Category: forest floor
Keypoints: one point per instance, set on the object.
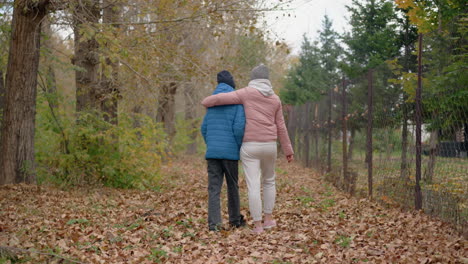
(316, 224)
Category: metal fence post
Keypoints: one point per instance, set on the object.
(329, 129)
(418, 117)
(307, 135)
(345, 139)
(369, 130)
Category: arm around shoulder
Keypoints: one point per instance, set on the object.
(222, 99)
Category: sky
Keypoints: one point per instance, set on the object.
(306, 17)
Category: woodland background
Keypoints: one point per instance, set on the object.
(104, 95)
(119, 83)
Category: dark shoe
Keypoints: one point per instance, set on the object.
(216, 228)
(240, 223)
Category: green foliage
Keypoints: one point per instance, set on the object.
(5, 32)
(92, 151)
(445, 96)
(330, 52)
(306, 81)
(427, 15)
(317, 70)
(184, 134)
(373, 38)
(445, 83)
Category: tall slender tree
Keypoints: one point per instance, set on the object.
(48, 80)
(444, 94)
(86, 15)
(306, 81)
(407, 37)
(109, 85)
(2, 96)
(371, 41)
(330, 51)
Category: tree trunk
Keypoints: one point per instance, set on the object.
(166, 109)
(404, 173)
(2, 96)
(404, 143)
(344, 131)
(351, 144)
(2, 103)
(191, 115)
(86, 55)
(17, 137)
(50, 85)
(307, 135)
(429, 172)
(316, 137)
(418, 119)
(370, 116)
(329, 130)
(465, 133)
(109, 92)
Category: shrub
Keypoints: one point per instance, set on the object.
(90, 150)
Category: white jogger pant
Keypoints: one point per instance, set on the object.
(258, 160)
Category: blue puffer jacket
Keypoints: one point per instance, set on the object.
(223, 128)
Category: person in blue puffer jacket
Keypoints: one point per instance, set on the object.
(223, 131)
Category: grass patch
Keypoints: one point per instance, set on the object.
(158, 255)
(327, 203)
(305, 200)
(343, 241)
(80, 221)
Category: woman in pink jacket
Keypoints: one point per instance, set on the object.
(264, 125)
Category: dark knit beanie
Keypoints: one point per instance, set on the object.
(260, 72)
(226, 77)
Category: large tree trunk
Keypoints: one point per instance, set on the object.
(86, 55)
(109, 92)
(191, 115)
(17, 137)
(166, 109)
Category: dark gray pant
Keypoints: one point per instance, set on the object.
(217, 169)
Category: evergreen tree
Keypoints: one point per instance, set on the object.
(371, 41)
(306, 81)
(330, 51)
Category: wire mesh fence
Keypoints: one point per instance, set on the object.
(362, 135)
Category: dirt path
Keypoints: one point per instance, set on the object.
(317, 224)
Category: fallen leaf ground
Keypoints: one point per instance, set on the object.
(316, 224)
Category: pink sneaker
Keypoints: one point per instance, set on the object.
(269, 224)
(257, 230)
